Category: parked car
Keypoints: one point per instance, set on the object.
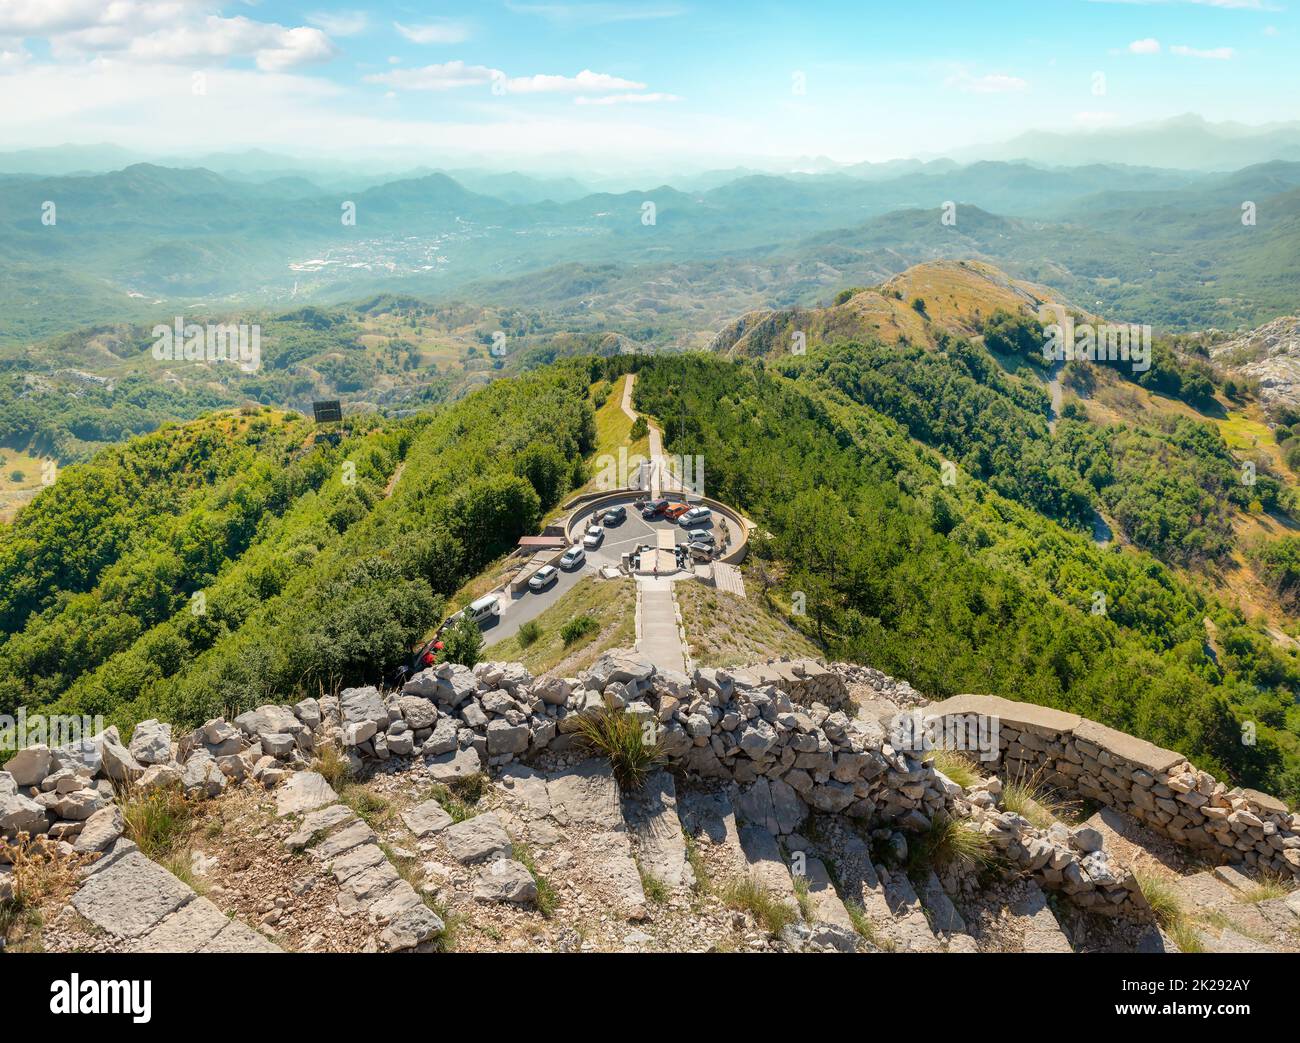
(675, 510)
(696, 516)
(573, 557)
(543, 578)
(653, 509)
(594, 537)
(701, 536)
(700, 551)
(615, 515)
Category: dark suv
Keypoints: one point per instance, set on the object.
(653, 509)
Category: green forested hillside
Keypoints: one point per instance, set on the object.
(962, 589)
(310, 581)
(309, 576)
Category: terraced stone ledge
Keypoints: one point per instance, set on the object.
(1158, 787)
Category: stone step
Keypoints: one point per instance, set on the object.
(766, 864)
(827, 906)
(860, 883)
(1225, 939)
(652, 819)
(907, 927)
(945, 920)
(140, 903)
(708, 818)
(369, 884)
(1042, 931)
(586, 804)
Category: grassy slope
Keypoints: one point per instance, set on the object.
(611, 602)
(725, 630)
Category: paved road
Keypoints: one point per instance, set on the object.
(519, 609)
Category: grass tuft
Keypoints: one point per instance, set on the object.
(803, 896)
(956, 766)
(865, 927)
(950, 841)
(655, 889)
(1031, 799)
(1168, 909)
(333, 765)
(1265, 888)
(546, 897)
(160, 822)
(623, 740)
(749, 896)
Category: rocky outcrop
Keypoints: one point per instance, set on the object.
(1270, 355)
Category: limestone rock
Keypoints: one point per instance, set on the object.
(505, 880)
(477, 839)
(19, 814)
(304, 791)
(151, 742)
(426, 819)
(30, 766)
(101, 830)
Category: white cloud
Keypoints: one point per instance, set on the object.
(628, 99)
(445, 77)
(434, 32)
(454, 75)
(272, 46)
(990, 83)
(584, 81)
(11, 59)
(340, 23)
(1218, 54)
(1149, 45)
(50, 18)
(162, 31)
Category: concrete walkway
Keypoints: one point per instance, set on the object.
(658, 637)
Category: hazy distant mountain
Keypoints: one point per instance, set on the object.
(157, 238)
(67, 159)
(1187, 142)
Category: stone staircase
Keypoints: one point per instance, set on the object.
(1229, 921)
(143, 908)
(349, 849)
(892, 913)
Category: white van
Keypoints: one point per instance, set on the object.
(483, 608)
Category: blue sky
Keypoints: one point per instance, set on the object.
(624, 83)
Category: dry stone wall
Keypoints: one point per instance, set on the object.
(1158, 787)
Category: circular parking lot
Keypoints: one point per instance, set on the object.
(616, 540)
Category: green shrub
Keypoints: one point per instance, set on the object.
(578, 627)
(463, 642)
